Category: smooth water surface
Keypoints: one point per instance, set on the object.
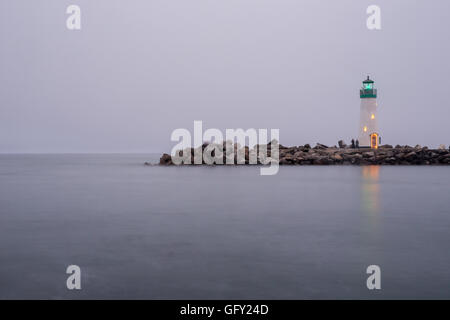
(220, 232)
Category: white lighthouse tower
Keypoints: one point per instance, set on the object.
(368, 136)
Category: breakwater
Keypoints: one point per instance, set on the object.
(324, 155)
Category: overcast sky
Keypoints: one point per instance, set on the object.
(138, 69)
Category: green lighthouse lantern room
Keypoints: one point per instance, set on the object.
(367, 91)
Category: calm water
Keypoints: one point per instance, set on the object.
(223, 232)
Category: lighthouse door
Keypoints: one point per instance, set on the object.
(374, 141)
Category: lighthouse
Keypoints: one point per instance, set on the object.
(368, 136)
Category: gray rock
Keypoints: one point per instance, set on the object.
(165, 160)
(320, 146)
(410, 155)
(341, 144)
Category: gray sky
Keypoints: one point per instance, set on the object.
(139, 69)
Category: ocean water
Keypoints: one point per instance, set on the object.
(220, 232)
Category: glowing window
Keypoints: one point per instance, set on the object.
(372, 116)
(365, 129)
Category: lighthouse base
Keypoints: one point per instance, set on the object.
(370, 141)
(368, 124)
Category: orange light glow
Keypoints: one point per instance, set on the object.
(365, 129)
(370, 197)
(371, 173)
(372, 116)
(374, 141)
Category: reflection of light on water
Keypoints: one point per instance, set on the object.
(371, 228)
(370, 200)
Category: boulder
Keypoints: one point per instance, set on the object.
(410, 155)
(341, 144)
(298, 154)
(320, 146)
(320, 160)
(165, 160)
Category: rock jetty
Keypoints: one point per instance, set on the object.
(342, 155)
